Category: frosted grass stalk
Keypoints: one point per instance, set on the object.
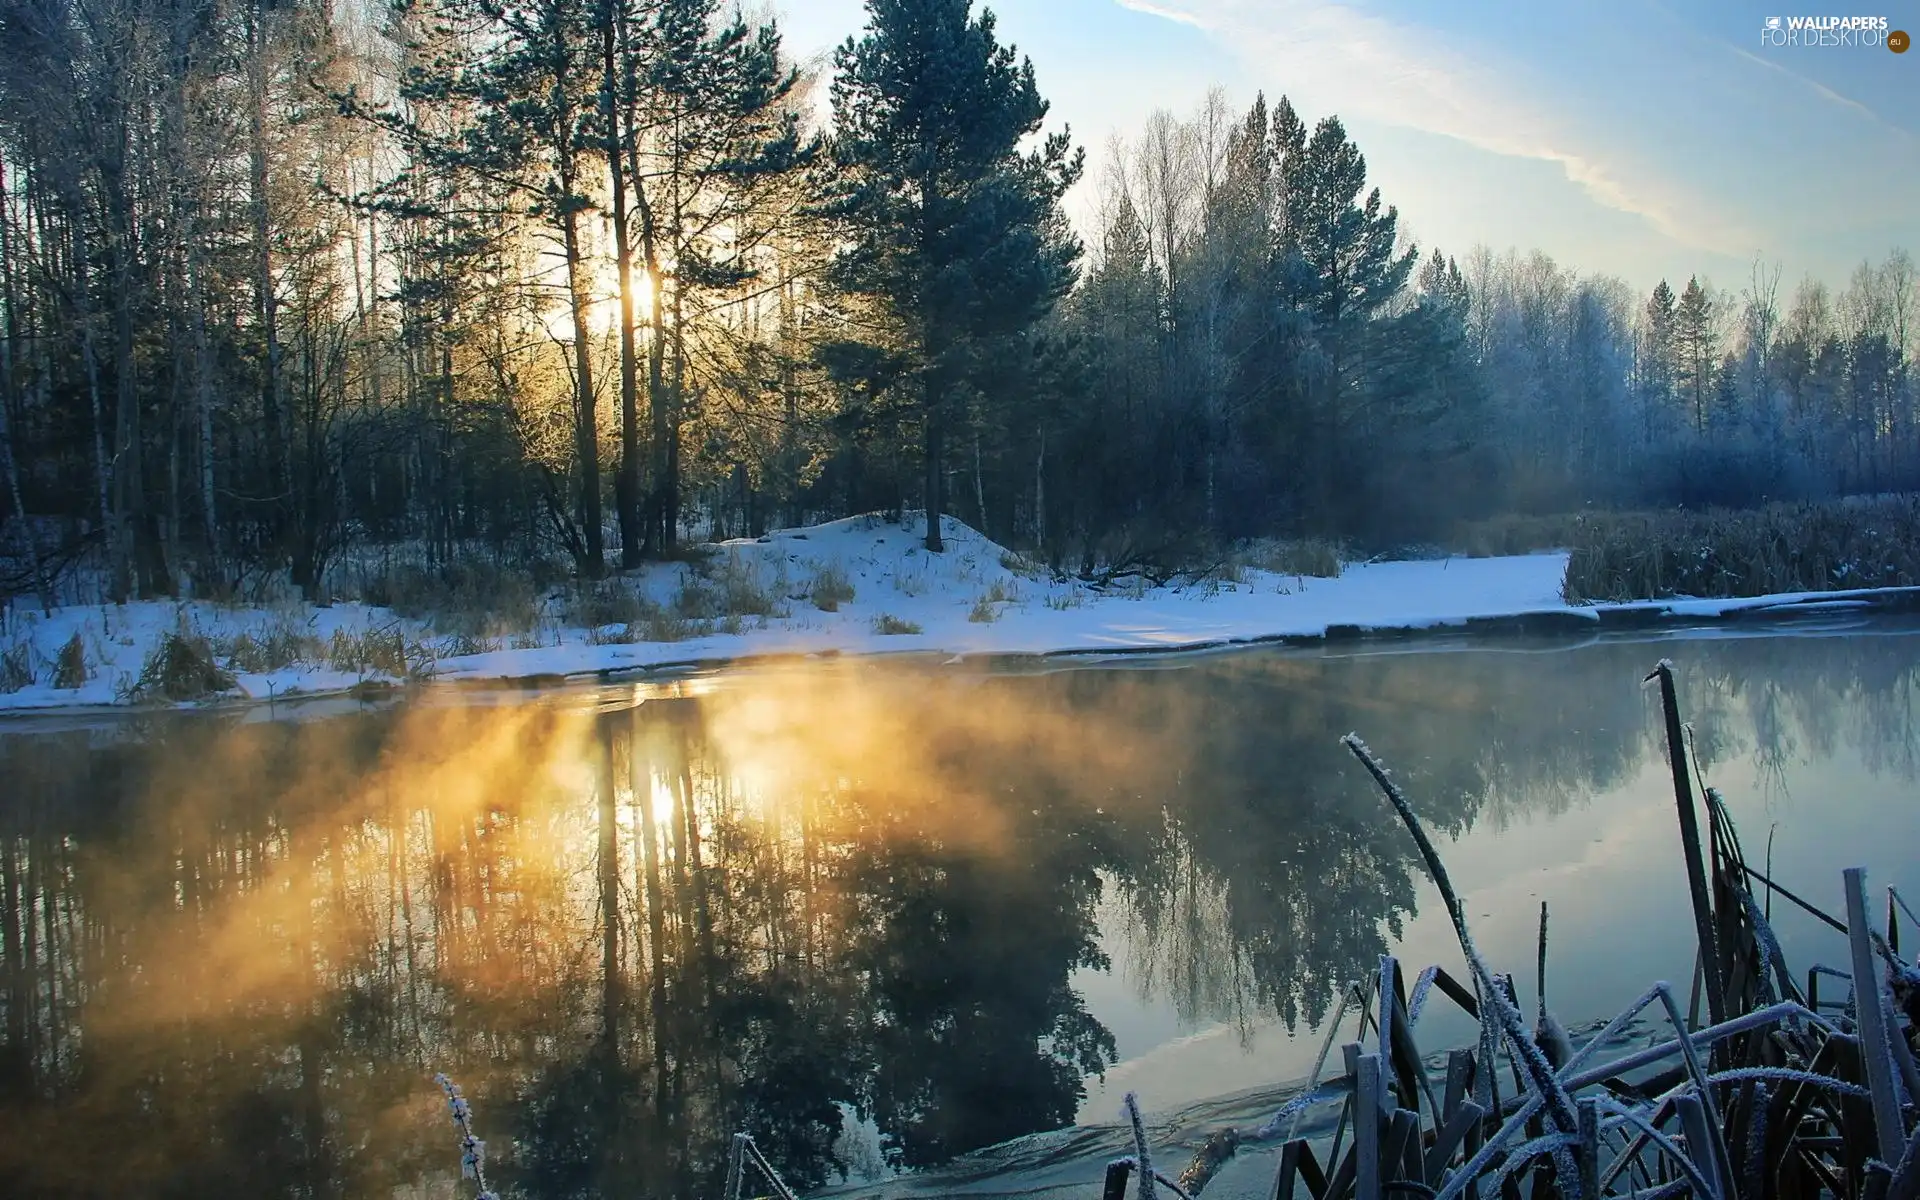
(472, 1149)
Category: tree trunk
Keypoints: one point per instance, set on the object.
(203, 399)
(979, 487)
(266, 302)
(587, 429)
(933, 475)
(103, 467)
(10, 403)
(129, 495)
(658, 538)
(627, 482)
(677, 396)
(1040, 492)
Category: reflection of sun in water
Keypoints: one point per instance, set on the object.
(663, 801)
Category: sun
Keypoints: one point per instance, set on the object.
(603, 301)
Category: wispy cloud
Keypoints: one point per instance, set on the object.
(1826, 93)
(1163, 12)
(1335, 57)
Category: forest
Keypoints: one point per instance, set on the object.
(571, 283)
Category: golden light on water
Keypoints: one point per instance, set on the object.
(739, 880)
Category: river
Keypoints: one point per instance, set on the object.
(855, 904)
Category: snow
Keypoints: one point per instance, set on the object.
(892, 576)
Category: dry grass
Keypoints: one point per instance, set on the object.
(1316, 557)
(1497, 537)
(70, 667)
(1783, 548)
(830, 588)
(180, 668)
(1021, 565)
(477, 598)
(730, 587)
(1073, 597)
(984, 611)
(593, 604)
(16, 666)
(384, 651)
(887, 623)
(270, 649)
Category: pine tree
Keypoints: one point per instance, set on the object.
(1696, 350)
(1118, 314)
(955, 234)
(1340, 269)
(1657, 357)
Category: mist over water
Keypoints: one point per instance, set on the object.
(235, 951)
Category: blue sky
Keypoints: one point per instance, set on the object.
(1631, 137)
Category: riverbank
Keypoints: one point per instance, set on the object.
(859, 586)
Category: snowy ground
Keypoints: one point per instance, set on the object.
(973, 599)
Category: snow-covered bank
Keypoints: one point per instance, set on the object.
(974, 599)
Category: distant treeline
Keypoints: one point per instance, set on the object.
(577, 279)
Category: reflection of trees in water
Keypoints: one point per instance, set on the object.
(234, 956)
(233, 953)
(1273, 879)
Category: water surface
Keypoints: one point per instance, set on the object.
(632, 921)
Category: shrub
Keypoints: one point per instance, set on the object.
(476, 597)
(983, 611)
(1019, 564)
(663, 626)
(16, 666)
(830, 588)
(745, 595)
(887, 623)
(1317, 557)
(1074, 597)
(181, 668)
(592, 604)
(734, 589)
(697, 599)
(1497, 537)
(281, 646)
(912, 584)
(70, 668)
(460, 645)
(385, 651)
(1718, 553)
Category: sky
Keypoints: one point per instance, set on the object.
(1634, 138)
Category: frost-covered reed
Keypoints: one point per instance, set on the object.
(472, 1150)
(1778, 1096)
